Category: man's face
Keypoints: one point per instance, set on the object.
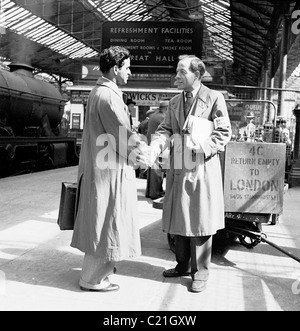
(124, 73)
(185, 78)
(131, 109)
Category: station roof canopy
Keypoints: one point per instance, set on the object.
(56, 36)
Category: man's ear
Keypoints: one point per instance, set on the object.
(116, 69)
(198, 74)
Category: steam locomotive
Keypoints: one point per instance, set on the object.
(31, 112)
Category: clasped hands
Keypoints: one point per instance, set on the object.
(146, 156)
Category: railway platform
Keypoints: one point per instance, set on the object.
(39, 271)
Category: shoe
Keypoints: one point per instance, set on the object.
(158, 197)
(104, 286)
(172, 273)
(198, 286)
(109, 288)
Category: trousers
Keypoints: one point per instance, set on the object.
(95, 270)
(193, 255)
(154, 189)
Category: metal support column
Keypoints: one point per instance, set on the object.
(271, 112)
(283, 65)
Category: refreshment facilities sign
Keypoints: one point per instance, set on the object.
(154, 46)
(254, 178)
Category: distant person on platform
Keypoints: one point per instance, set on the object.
(143, 130)
(193, 209)
(132, 113)
(143, 127)
(154, 189)
(286, 135)
(250, 128)
(106, 225)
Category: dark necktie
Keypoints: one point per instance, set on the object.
(188, 103)
(125, 98)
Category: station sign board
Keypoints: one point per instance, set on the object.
(239, 110)
(91, 72)
(154, 46)
(79, 97)
(254, 178)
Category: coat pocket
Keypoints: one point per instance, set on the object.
(129, 174)
(198, 172)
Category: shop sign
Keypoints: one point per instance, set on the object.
(79, 97)
(151, 99)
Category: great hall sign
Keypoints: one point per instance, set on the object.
(154, 46)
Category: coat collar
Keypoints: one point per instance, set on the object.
(203, 93)
(178, 102)
(102, 81)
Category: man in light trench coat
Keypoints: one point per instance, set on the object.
(106, 226)
(194, 201)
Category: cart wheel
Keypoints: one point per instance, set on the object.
(171, 241)
(274, 219)
(248, 242)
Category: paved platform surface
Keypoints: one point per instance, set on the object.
(39, 271)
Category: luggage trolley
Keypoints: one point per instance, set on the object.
(254, 187)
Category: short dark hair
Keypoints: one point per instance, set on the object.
(113, 56)
(196, 64)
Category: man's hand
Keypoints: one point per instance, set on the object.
(195, 148)
(152, 157)
(146, 157)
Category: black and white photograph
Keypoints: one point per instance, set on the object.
(149, 158)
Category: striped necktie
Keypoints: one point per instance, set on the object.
(188, 103)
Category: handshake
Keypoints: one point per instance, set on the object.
(146, 156)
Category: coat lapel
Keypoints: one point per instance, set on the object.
(178, 109)
(200, 106)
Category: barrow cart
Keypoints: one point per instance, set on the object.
(254, 187)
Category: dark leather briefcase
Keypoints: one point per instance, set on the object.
(66, 216)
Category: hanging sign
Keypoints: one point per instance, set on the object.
(154, 46)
